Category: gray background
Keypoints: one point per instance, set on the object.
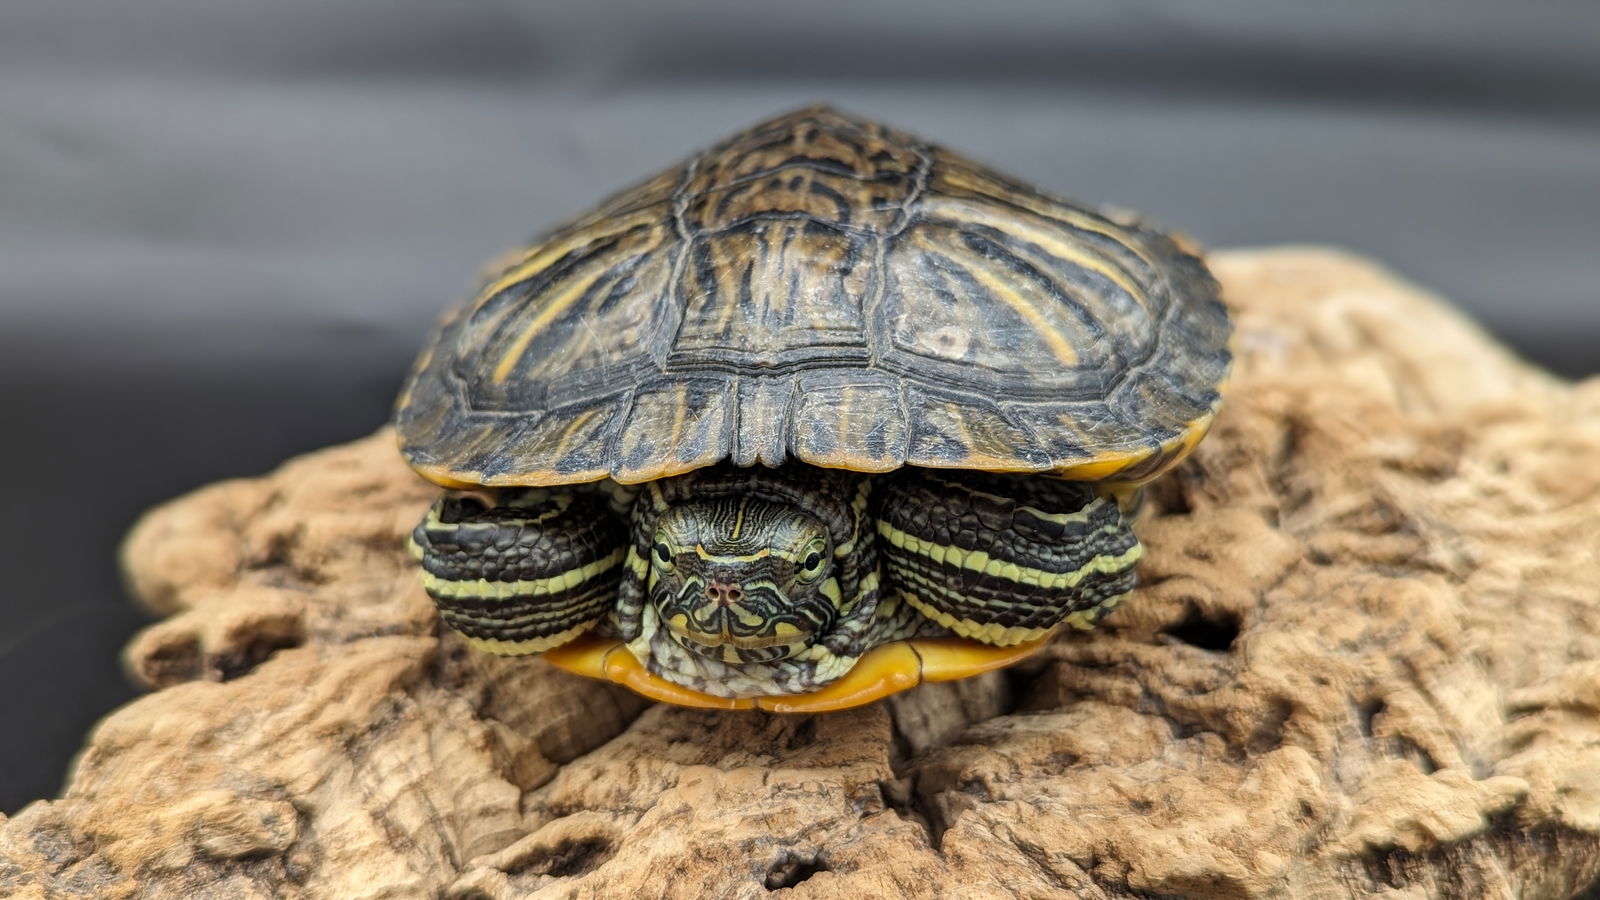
(225, 227)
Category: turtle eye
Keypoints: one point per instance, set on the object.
(663, 555)
(815, 562)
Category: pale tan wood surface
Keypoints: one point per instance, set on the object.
(1365, 660)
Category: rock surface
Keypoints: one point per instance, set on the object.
(1365, 660)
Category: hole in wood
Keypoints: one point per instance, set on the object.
(1215, 631)
(791, 870)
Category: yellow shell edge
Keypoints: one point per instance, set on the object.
(884, 670)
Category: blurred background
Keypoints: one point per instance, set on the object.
(226, 227)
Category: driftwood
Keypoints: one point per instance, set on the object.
(1365, 659)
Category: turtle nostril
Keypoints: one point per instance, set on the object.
(723, 593)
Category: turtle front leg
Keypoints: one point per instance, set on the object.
(1003, 558)
(520, 570)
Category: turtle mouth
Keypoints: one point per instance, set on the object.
(735, 649)
(752, 621)
(716, 640)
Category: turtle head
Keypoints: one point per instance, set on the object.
(740, 579)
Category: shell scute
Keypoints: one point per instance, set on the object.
(826, 290)
(857, 423)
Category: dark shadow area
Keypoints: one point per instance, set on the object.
(87, 451)
(570, 858)
(1215, 632)
(791, 870)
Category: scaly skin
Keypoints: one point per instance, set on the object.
(741, 582)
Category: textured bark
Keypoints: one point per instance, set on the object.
(1365, 659)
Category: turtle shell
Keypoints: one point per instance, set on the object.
(824, 289)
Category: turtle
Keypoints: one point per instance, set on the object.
(819, 414)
